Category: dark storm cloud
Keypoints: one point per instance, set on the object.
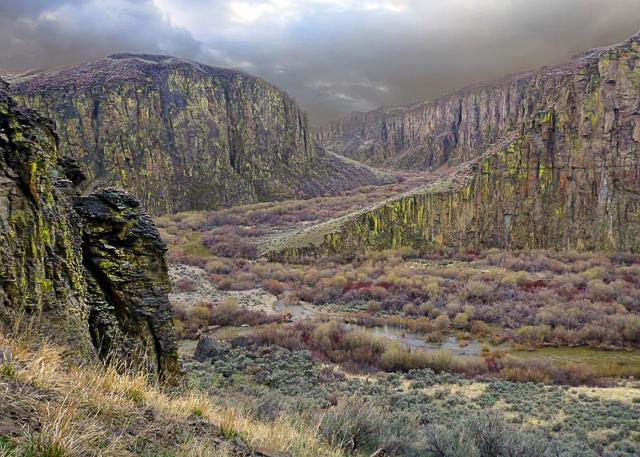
(44, 34)
(334, 56)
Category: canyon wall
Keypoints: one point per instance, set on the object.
(594, 98)
(185, 136)
(547, 160)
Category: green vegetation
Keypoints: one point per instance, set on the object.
(271, 381)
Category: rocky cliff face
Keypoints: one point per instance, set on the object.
(184, 136)
(88, 272)
(548, 160)
(593, 98)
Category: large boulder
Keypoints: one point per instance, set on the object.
(210, 348)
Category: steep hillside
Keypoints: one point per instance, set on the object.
(185, 136)
(87, 272)
(550, 160)
(594, 98)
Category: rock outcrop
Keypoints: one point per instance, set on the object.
(185, 136)
(547, 160)
(128, 279)
(87, 272)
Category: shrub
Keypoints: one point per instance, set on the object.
(217, 266)
(373, 307)
(410, 309)
(479, 328)
(274, 286)
(631, 331)
(201, 312)
(461, 321)
(225, 311)
(179, 328)
(525, 374)
(352, 425)
(432, 288)
(185, 285)
(515, 278)
(534, 335)
(397, 358)
(442, 323)
(277, 335)
(600, 291)
(226, 242)
(485, 435)
(547, 372)
(478, 290)
(398, 435)
(240, 280)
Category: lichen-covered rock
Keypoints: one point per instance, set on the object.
(72, 170)
(514, 196)
(41, 271)
(185, 136)
(594, 100)
(90, 277)
(128, 292)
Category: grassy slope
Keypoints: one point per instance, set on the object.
(51, 407)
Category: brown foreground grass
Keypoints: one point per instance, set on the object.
(51, 407)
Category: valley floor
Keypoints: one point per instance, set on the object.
(542, 346)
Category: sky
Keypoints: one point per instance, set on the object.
(332, 56)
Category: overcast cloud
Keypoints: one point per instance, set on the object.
(333, 56)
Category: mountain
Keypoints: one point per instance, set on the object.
(544, 160)
(88, 271)
(185, 136)
(587, 95)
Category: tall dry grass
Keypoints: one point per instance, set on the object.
(63, 409)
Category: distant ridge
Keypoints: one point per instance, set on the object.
(185, 136)
(456, 126)
(547, 159)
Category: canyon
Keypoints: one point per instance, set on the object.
(185, 136)
(547, 159)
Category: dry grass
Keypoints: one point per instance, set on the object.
(66, 431)
(626, 394)
(61, 410)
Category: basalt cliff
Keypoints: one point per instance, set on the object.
(185, 136)
(548, 159)
(592, 97)
(85, 271)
